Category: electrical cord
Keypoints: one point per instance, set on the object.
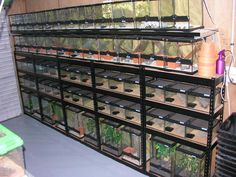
(208, 12)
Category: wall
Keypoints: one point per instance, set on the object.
(221, 13)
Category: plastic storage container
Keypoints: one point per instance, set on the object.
(189, 162)
(176, 124)
(197, 130)
(75, 121)
(199, 99)
(131, 142)
(103, 16)
(104, 103)
(111, 137)
(156, 118)
(155, 90)
(132, 85)
(105, 80)
(90, 135)
(55, 86)
(162, 156)
(11, 154)
(44, 86)
(177, 94)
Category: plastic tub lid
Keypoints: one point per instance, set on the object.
(8, 140)
(163, 141)
(203, 92)
(228, 128)
(124, 104)
(108, 74)
(181, 87)
(108, 99)
(160, 83)
(73, 109)
(132, 130)
(136, 108)
(111, 123)
(191, 151)
(159, 113)
(123, 77)
(179, 119)
(201, 124)
(73, 90)
(134, 79)
(54, 85)
(85, 93)
(89, 115)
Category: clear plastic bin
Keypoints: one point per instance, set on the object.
(133, 113)
(162, 156)
(131, 142)
(177, 94)
(199, 99)
(11, 154)
(90, 135)
(156, 118)
(197, 130)
(189, 162)
(155, 90)
(103, 16)
(75, 121)
(44, 86)
(56, 90)
(111, 137)
(104, 103)
(176, 124)
(132, 85)
(105, 80)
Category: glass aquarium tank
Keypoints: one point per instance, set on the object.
(89, 17)
(90, 135)
(106, 48)
(128, 51)
(181, 15)
(56, 90)
(111, 137)
(11, 154)
(103, 18)
(68, 92)
(189, 162)
(197, 130)
(162, 156)
(75, 121)
(182, 56)
(123, 15)
(27, 103)
(131, 142)
(176, 124)
(105, 80)
(177, 94)
(77, 48)
(46, 107)
(35, 103)
(29, 81)
(147, 14)
(118, 109)
(155, 89)
(90, 48)
(83, 98)
(152, 52)
(133, 113)
(44, 86)
(104, 103)
(73, 18)
(155, 118)
(200, 99)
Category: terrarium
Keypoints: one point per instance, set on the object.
(50, 19)
(111, 137)
(189, 162)
(177, 94)
(181, 15)
(11, 154)
(176, 124)
(156, 118)
(90, 48)
(83, 98)
(27, 103)
(104, 103)
(40, 67)
(68, 93)
(77, 47)
(123, 15)
(55, 89)
(39, 16)
(90, 135)
(73, 18)
(131, 142)
(89, 16)
(46, 107)
(128, 51)
(182, 56)
(35, 103)
(62, 17)
(106, 48)
(162, 156)
(29, 81)
(105, 80)
(200, 99)
(132, 85)
(44, 86)
(155, 89)
(75, 122)
(133, 113)
(103, 18)
(152, 52)
(64, 46)
(147, 14)
(57, 117)
(197, 130)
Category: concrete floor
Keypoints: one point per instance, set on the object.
(51, 154)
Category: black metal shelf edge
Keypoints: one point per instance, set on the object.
(26, 72)
(82, 108)
(82, 86)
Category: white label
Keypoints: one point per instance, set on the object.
(106, 102)
(120, 79)
(137, 110)
(182, 91)
(206, 95)
(205, 129)
(160, 86)
(181, 123)
(121, 106)
(161, 117)
(137, 82)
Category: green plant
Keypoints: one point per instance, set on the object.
(90, 125)
(190, 164)
(111, 134)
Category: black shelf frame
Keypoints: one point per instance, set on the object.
(143, 72)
